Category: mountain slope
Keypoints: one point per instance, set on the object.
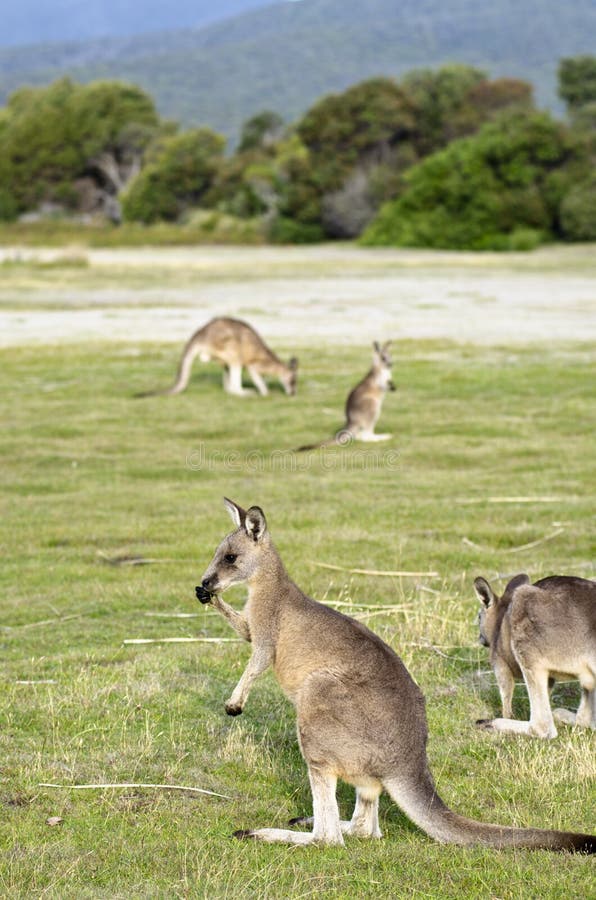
(37, 21)
(285, 56)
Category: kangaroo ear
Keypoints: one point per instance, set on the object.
(293, 364)
(376, 347)
(237, 514)
(386, 346)
(516, 582)
(484, 592)
(255, 523)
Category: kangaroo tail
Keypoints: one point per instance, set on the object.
(183, 375)
(316, 446)
(141, 394)
(424, 807)
(343, 437)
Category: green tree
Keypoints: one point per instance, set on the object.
(55, 135)
(455, 100)
(261, 131)
(247, 183)
(480, 191)
(361, 142)
(8, 201)
(179, 171)
(350, 149)
(578, 211)
(577, 81)
(439, 98)
(342, 129)
(39, 149)
(489, 98)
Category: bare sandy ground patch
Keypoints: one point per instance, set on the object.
(325, 294)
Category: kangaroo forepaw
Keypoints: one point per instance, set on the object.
(203, 595)
(232, 709)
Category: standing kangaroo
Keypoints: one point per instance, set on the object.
(363, 406)
(360, 715)
(235, 344)
(540, 632)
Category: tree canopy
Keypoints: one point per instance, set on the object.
(577, 81)
(483, 191)
(179, 171)
(53, 138)
(443, 158)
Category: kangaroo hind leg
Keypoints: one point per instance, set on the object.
(325, 819)
(372, 436)
(542, 723)
(233, 380)
(365, 818)
(585, 717)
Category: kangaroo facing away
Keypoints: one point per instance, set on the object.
(540, 632)
(235, 344)
(360, 715)
(363, 406)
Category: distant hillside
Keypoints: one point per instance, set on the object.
(285, 56)
(38, 21)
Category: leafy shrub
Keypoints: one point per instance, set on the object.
(244, 185)
(578, 212)
(289, 231)
(8, 205)
(52, 136)
(223, 228)
(478, 188)
(577, 80)
(525, 238)
(179, 172)
(520, 239)
(261, 130)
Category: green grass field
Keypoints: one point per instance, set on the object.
(493, 449)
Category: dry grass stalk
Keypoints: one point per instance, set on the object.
(182, 640)
(379, 572)
(165, 787)
(126, 560)
(381, 607)
(547, 537)
(166, 615)
(42, 622)
(510, 499)
(542, 540)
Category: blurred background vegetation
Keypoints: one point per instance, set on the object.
(444, 157)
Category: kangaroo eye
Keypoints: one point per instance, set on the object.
(230, 558)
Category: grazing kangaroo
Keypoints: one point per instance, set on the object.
(363, 406)
(235, 344)
(360, 715)
(541, 632)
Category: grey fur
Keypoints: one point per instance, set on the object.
(360, 715)
(540, 632)
(235, 344)
(363, 406)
